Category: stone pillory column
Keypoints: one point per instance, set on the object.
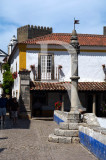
(24, 99)
(74, 115)
(68, 130)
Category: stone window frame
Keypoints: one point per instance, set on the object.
(39, 65)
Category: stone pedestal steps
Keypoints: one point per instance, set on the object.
(66, 133)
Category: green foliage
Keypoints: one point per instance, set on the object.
(6, 67)
(7, 79)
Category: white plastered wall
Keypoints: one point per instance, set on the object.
(16, 87)
(60, 58)
(90, 66)
(31, 59)
(89, 63)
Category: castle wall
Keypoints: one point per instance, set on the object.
(29, 32)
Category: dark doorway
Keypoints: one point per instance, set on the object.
(98, 105)
(39, 100)
(90, 103)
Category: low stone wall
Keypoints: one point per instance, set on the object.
(94, 139)
(102, 121)
(91, 134)
(60, 116)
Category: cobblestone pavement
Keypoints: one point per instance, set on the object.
(29, 141)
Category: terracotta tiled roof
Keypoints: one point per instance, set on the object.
(84, 39)
(92, 86)
(82, 86)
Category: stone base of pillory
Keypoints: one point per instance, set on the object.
(69, 122)
(67, 131)
(65, 134)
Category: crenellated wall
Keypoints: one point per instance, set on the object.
(104, 30)
(29, 32)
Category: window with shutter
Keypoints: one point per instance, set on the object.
(46, 67)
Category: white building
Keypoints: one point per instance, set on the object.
(2, 56)
(49, 60)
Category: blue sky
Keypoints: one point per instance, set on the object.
(58, 14)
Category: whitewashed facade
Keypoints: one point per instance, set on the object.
(89, 63)
(14, 67)
(46, 59)
(2, 56)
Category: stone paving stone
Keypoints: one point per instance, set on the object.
(29, 141)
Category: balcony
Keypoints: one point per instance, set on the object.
(54, 75)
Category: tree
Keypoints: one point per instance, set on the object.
(7, 79)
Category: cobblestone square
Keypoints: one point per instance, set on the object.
(28, 140)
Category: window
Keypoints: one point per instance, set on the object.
(46, 67)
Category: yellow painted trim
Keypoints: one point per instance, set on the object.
(43, 49)
(56, 49)
(22, 56)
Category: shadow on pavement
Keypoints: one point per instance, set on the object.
(2, 149)
(3, 138)
(21, 124)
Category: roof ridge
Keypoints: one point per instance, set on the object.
(80, 34)
(84, 39)
(36, 38)
(92, 35)
(3, 51)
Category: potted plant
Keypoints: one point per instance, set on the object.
(58, 105)
(32, 67)
(14, 75)
(60, 66)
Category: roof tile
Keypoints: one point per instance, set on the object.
(84, 39)
(82, 86)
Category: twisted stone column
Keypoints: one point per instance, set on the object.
(74, 115)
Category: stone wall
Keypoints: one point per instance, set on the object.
(91, 135)
(60, 116)
(29, 32)
(24, 99)
(94, 139)
(104, 30)
(102, 121)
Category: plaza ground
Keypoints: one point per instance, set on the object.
(28, 140)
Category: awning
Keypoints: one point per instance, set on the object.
(63, 86)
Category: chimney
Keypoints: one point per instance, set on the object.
(104, 30)
(12, 44)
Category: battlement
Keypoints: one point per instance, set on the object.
(30, 31)
(104, 30)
